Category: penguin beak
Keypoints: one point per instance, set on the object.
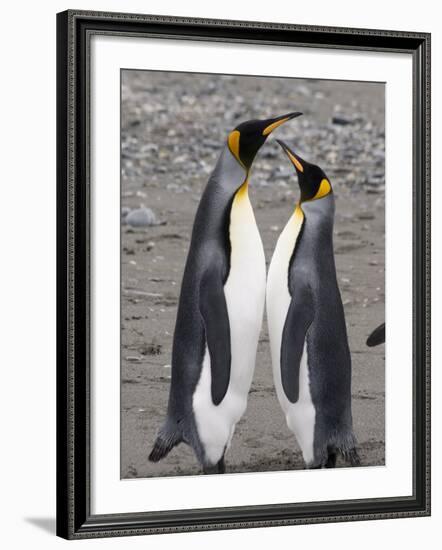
(297, 162)
(274, 123)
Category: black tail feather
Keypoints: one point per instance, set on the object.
(352, 456)
(166, 440)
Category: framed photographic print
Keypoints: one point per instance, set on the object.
(243, 274)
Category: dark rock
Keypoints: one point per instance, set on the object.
(341, 120)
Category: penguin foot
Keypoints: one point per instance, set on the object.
(218, 468)
(209, 470)
(330, 463)
(331, 460)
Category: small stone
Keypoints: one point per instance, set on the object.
(341, 121)
(178, 188)
(141, 217)
(284, 173)
(133, 358)
(303, 90)
(366, 216)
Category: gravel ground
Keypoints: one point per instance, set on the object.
(173, 127)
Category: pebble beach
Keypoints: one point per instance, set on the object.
(173, 127)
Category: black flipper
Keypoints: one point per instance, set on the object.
(377, 336)
(215, 316)
(299, 318)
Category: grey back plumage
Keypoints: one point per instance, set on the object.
(313, 268)
(207, 266)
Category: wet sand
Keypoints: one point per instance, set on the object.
(173, 127)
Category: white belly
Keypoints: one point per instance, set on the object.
(245, 296)
(300, 416)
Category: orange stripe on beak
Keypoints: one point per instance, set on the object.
(295, 161)
(274, 125)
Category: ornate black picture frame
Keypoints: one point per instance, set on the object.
(74, 31)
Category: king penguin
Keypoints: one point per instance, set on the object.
(308, 336)
(220, 309)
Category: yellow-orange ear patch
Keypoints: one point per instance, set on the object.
(295, 161)
(324, 189)
(233, 143)
(274, 125)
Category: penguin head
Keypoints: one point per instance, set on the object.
(313, 182)
(246, 139)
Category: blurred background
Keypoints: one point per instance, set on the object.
(173, 127)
